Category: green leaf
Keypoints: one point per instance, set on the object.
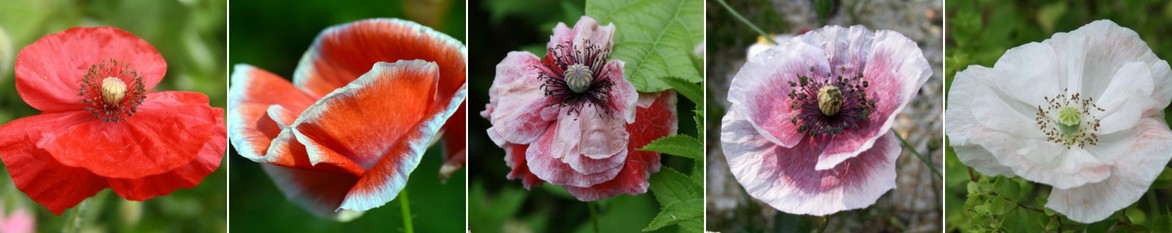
(823, 7)
(1136, 215)
(698, 116)
(680, 145)
(690, 212)
(669, 185)
(691, 90)
(653, 37)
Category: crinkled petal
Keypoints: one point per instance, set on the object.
(656, 119)
(786, 179)
(843, 46)
(455, 136)
(1108, 47)
(342, 53)
(253, 93)
(761, 87)
(35, 172)
(896, 69)
(1126, 98)
(518, 101)
(186, 176)
(49, 71)
(168, 131)
(587, 32)
(544, 163)
(601, 135)
(1144, 157)
(515, 159)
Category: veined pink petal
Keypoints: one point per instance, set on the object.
(518, 101)
(786, 178)
(515, 159)
(761, 87)
(656, 119)
(587, 32)
(544, 162)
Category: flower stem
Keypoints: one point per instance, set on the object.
(406, 208)
(593, 215)
(74, 222)
(746, 21)
(917, 153)
(825, 222)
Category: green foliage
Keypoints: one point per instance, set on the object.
(682, 200)
(681, 145)
(654, 38)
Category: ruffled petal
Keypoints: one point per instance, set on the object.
(587, 32)
(320, 192)
(847, 47)
(545, 163)
(186, 176)
(33, 170)
(600, 135)
(254, 91)
(168, 131)
(455, 136)
(760, 88)
(341, 54)
(896, 69)
(656, 119)
(785, 178)
(1107, 47)
(515, 159)
(395, 97)
(1141, 160)
(49, 71)
(340, 123)
(518, 101)
(1126, 98)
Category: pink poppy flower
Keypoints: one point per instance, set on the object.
(19, 221)
(367, 100)
(571, 119)
(808, 130)
(100, 126)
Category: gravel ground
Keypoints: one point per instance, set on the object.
(915, 205)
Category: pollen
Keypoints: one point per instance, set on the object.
(1068, 120)
(112, 90)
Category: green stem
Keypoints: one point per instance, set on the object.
(74, 222)
(593, 215)
(825, 222)
(925, 161)
(746, 21)
(406, 208)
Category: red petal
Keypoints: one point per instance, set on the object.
(253, 92)
(361, 122)
(186, 176)
(320, 192)
(515, 158)
(342, 53)
(168, 131)
(455, 142)
(49, 71)
(55, 186)
(655, 121)
(286, 151)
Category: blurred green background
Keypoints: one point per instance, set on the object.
(190, 34)
(497, 204)
(979, 33)
(272, 35)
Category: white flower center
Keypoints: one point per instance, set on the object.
(113, 89)
(1074, 125)
(578, 78)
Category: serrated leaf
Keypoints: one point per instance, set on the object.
(690, 212)
(679, 145)
(688, 89)
(669, 185)
(698, 116)
(653, 37)
(698, 172)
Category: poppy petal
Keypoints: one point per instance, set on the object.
(341, 54)
(518, 104)
(552, 167)
(765, 80)
(455, 142)
(168, 131)
(34, 172)
(49, 71)
(253, 92)
(320, 192)
(186, 176)
(286, 151)
(656, 118)
(384, 181)
(393, 96)
(515, 159)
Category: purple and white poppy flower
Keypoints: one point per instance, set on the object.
(809, 127)
(1081, 112)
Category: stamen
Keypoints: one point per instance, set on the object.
(1069, 127)
(111, 90)
(829, 104)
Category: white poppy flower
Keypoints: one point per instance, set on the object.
(1081, 112)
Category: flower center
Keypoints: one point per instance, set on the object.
(575, 76)
(830, 104)
(111, 90)
(1069, 127)
(578, 78)
(829, 100)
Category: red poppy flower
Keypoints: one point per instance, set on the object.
(367, 100)
(100, 126)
